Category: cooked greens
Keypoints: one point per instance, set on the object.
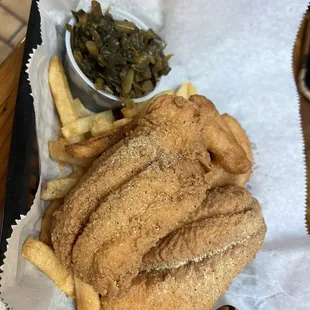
(116, 55)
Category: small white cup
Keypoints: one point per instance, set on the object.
(82, 87)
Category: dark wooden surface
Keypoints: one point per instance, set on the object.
(9, 77)
(304, 107)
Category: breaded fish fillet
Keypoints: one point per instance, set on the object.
(191, 267)
(171, 126)
(229, 214)
(133, 218)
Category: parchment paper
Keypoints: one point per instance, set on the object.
(239, 54)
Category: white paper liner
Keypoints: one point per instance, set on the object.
(239, 55)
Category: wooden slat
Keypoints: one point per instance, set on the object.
(304, 104)
(9, 77)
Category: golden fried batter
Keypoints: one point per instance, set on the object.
(191, 267)
(228, 215)
(132, 219)
(179, 150)
(218, 175)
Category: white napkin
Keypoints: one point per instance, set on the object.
(239, 54)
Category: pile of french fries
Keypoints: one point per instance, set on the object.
(84, 137)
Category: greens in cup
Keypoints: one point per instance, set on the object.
(117, 56)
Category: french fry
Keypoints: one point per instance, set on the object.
(84, 125)
(61, 92)
(62, 95)
(60, 188)
(86, 297)
(121, 122)
(96, 146)
(82, 112)
(57, 152)
(192, 90)
(186, 90)
(89, 148)
(46, 224)
(183, 91)
(101, 123)
(75, 139)
(78, 127)
(43, 257)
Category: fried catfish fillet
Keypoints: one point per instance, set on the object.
(189, 131)
(133, 218)
(193, 265)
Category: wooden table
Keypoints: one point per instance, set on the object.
(9, 77)
(304, 106)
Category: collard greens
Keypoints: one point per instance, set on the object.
(117, 56)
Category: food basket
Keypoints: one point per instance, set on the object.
(23, 167)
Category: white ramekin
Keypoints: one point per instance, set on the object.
(82, 87)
